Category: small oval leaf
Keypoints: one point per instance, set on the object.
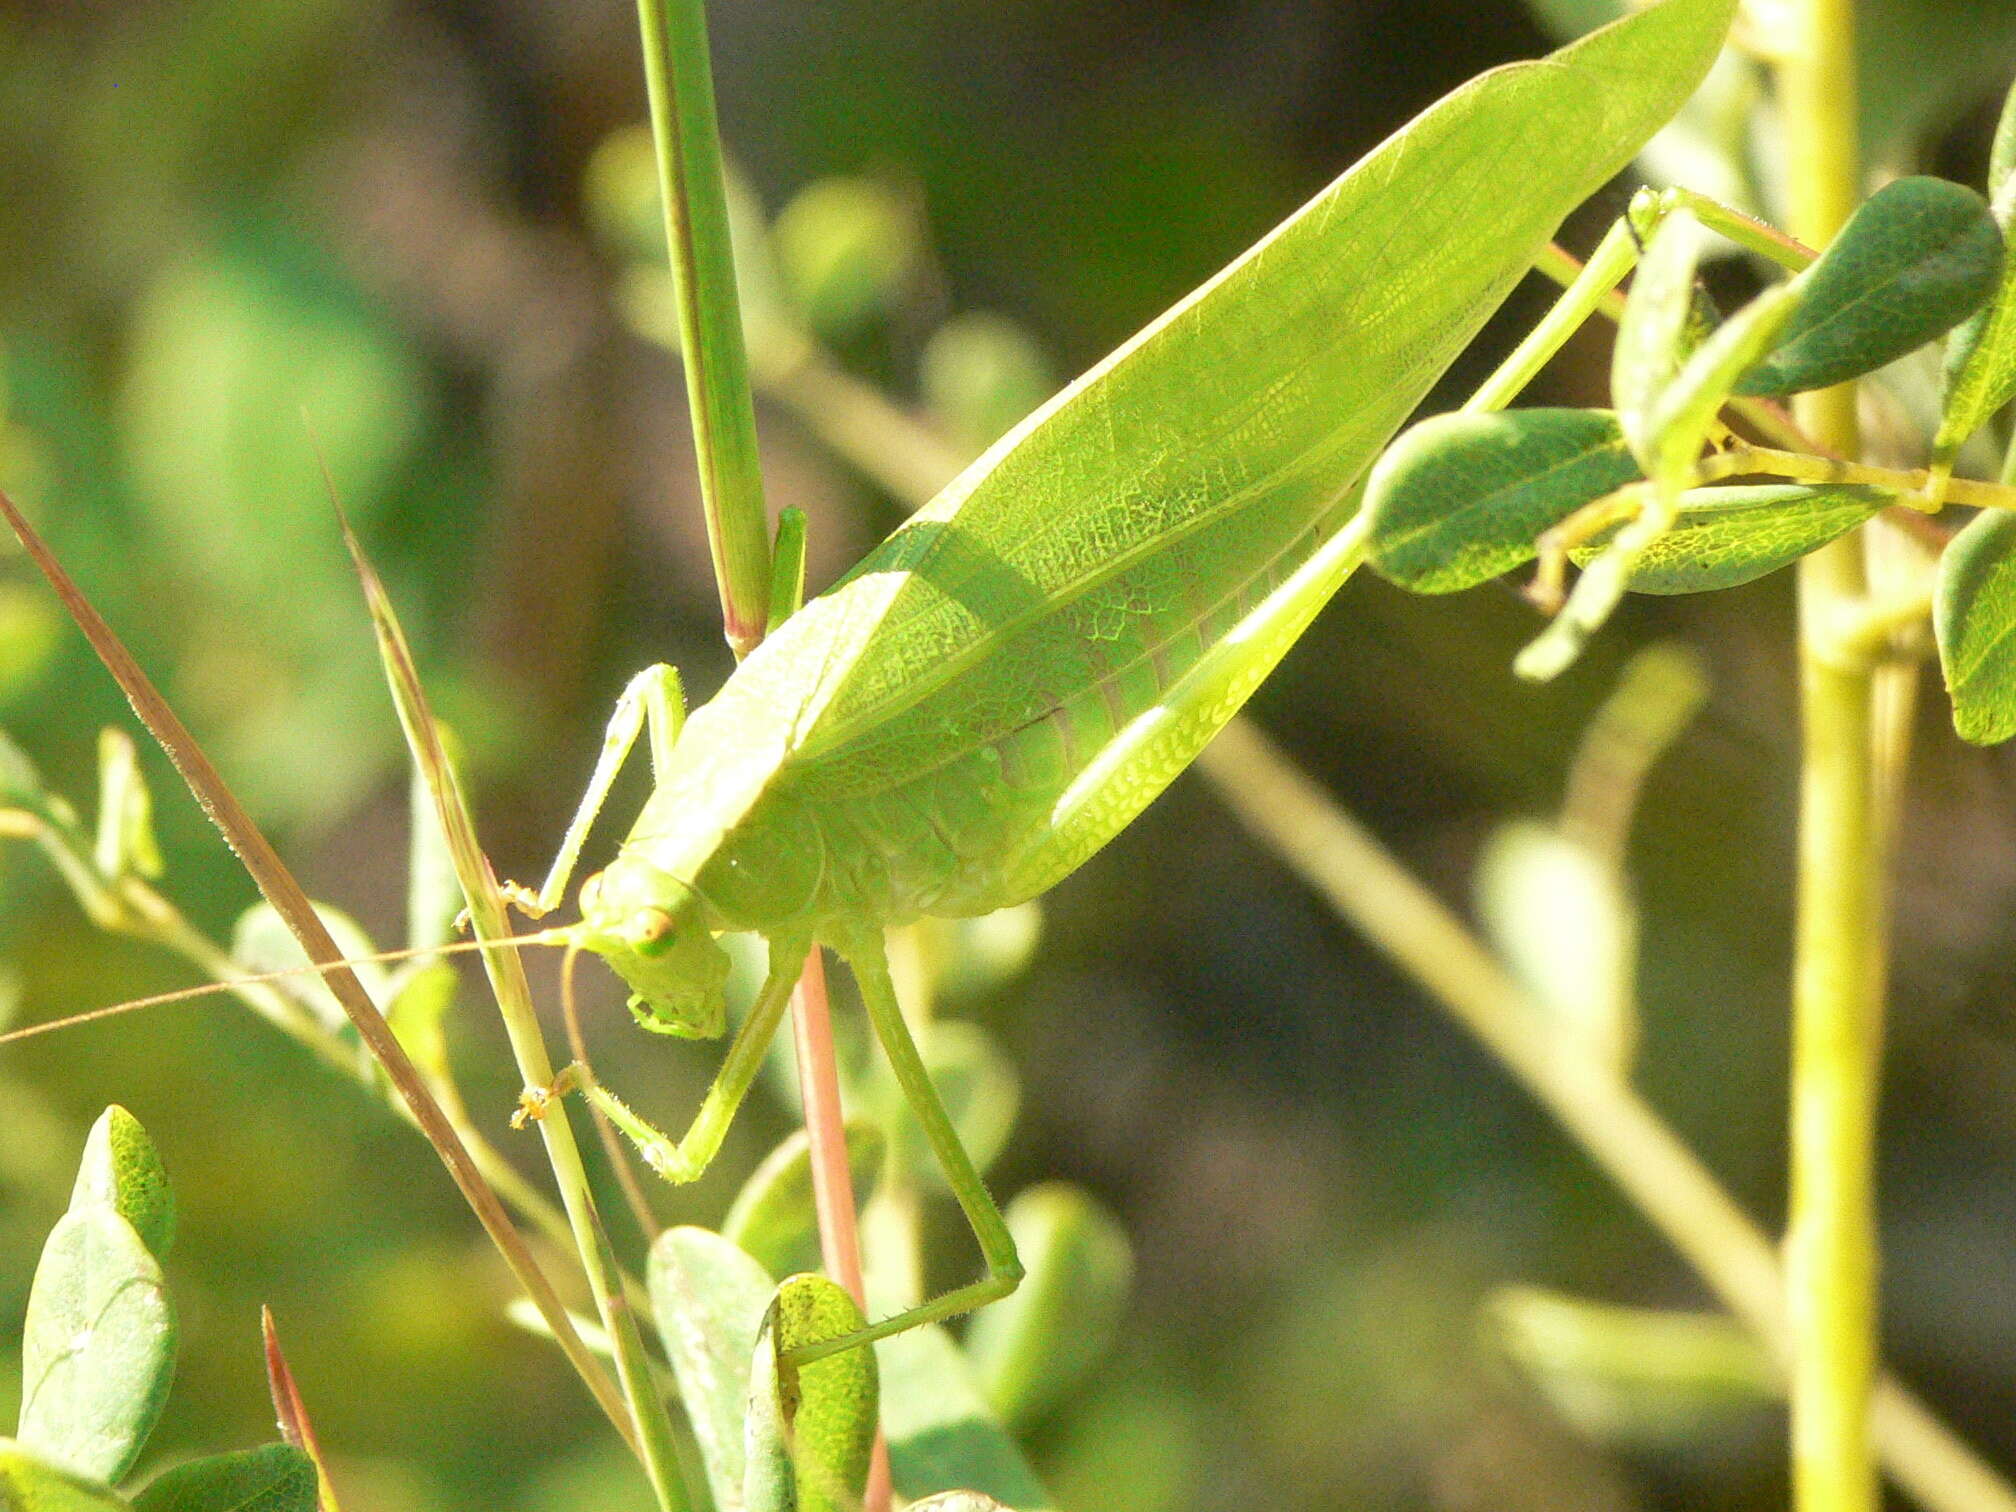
(1974, 615)
(276, 1478)
(122, 1170)
(1981, 357)
(28, 1484)
(98, 1346)
(709, 1299)
(1460, 498)
(810, 1429)
(1919, 257)
(772, 1219)
(1724, 537)
(1033, 1348)
(1653, 333)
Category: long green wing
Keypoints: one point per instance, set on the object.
(1076, 571)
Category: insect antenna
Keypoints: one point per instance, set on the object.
(554, 937)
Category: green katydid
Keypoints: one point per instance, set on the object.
(1003, 684)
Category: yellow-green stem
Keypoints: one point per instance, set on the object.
(1837, 988)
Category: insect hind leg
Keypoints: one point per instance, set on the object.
(870, 965)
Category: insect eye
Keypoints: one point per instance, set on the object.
(651, 931)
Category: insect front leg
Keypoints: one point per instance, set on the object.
(655, 699)
(869, 962)
(687, 1158)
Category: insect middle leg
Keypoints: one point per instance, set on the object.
(687, 1158)
(869, 962)
(653, 699)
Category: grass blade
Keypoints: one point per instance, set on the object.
(277, 885)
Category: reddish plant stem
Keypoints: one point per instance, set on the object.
(832, 1181)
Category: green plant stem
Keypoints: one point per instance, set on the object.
(1838, 965)
(1618, 1129)
(1798, 467)
(688, 138)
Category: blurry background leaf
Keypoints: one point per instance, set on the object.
(773, 1219)
(942, 1435)
(1032, 1350)
(848, 249)
(709, 1300)
(980, 374)
(33, 1485)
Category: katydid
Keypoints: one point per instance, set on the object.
(1002, 685)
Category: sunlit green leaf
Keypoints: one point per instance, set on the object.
(709, 1300)
(810, 1429)
(1919, 257)
(29, 1484)
(773, 1219)
(1981, 356)
(1723, 537)
(1653, 334)
(122, 1170)
(942, 1434)
(1033, 1348)
(1974, 615)
(1630, 1375)
(1461, 498)
(276, 1478)
(98, 1347)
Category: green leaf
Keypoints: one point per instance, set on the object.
(979, 1088)
(1632, 1376)
(275, 1478)
(122, 1170)
(28, 1484)
(810, 1430)
(980, 374)
(1981, 357)
(98, 1347)
(1653, 333)
(1724, 537)
(1974, 616)
(1461, 498)
(848, 249)
(1919, 257)
(942, 1434)
(772, 1218)
(126, 843)
(1033, 1349)
(1677, 422)
(262, 942)
(709, 1300)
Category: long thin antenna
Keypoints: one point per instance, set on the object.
(554, 937)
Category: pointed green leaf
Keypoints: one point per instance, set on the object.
(1653, 333)
(1563, 919)
(942, 1434)
(1461, 498)
(1677, 423)
(30, 1484)
(772, 1218)
(276, 1478)
(709, 1300)
(1033, 1348)
(1981, 357)
(1974, 615)
(122, 1170)
(1918, 258)
(98, 1347)
(810, 1430)
(1724, 537)
(1632, 1375)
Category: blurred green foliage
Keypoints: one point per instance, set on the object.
(220, 214)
